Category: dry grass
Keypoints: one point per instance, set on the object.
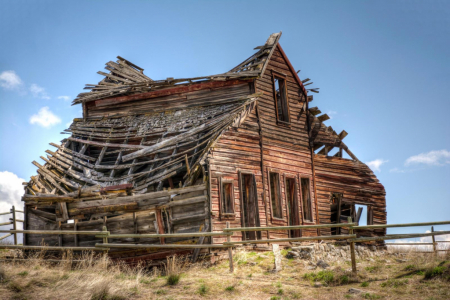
(97, 278)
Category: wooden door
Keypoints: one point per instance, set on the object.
(250, 214)
(292, 201)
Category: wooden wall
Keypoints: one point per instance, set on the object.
(285, 149)
(237, 150)
(355, 181)
(176, 99)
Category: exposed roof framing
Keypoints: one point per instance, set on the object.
(324, 136)
(125, 78)
(142, 150)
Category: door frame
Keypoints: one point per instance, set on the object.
(241, 199)
(296, 202)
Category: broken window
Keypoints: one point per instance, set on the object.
(227, 207)
(281, 101)
(275, 195)
(363, 214)
(306, 199)
(335, 212)
(293, 208)
(249, 210)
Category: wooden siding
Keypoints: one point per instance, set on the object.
(238, 150)
(355, 181)
(286, 149)
(206, 96)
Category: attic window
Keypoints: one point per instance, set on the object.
(281, 100)
(227, 199)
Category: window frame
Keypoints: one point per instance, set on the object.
(312, 221)
(274, 218)
(223, 215)
(283, 77)
(241, 173)
(297, 195)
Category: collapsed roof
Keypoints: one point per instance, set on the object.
(126, 78)
(145, 149)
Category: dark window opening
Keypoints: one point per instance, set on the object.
(335, 212)
(227, 198)
(275, 195)
(306, 198)
(281, 100)
(250, 211)
(292, 202)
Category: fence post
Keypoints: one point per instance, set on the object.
(352, 248)
(434, 241)
(230, 250)
(105, 241)
(13, 211)
(105, 237)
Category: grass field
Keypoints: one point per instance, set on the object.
(415, 276)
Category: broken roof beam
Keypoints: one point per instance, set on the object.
(73, 152)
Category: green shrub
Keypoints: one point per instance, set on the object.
(24, 273)
(275, 298)
(394, 283)
(203, 289)
(373, 269)
(173, 279)
(434, 272)
(325, 276)
(160, 292)
(365, 284)
(280, 292)
(344, 279)
(229, 288)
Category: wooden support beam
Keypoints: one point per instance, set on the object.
(352, 250)
(13, 211)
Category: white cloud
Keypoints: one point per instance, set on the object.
(432, 158)
(38, 91)
(376, 164)
(10, 80)
(45, 118)
(11, 192)
(65, 98)
(331, 114)
(396, 170)
(424, 239)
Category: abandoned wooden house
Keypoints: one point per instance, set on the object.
(190, 154)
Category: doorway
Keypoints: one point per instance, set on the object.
(250, 213)
(292, 202)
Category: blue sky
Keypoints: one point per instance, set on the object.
(382, 68)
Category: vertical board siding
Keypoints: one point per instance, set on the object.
(237, 150)
(286, 149)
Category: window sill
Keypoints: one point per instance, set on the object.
(309, 223)
(278, 221)
(227, 217)
(285, 124)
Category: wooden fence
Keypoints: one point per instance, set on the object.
(228, 232)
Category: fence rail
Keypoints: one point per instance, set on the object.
(227, 232)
